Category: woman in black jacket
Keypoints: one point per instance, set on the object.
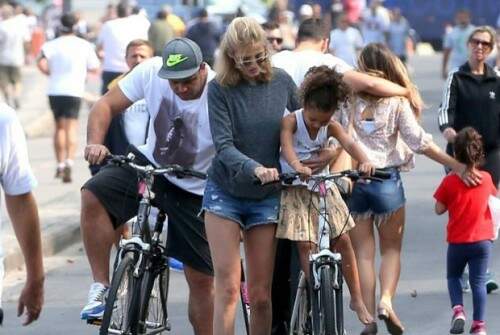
(471, 98)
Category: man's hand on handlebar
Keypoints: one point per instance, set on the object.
(266, 175)
(95, 153)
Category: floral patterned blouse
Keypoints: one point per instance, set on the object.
(391, 135)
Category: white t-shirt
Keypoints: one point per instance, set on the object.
(13, 34)
(344, 43)
(135, 122)
(179, 131)
(16, 176)
(114, 37)
(373, 27)
(297, 63)
(456, 40)
(69, 58)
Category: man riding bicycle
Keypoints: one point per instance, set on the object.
(174, 88)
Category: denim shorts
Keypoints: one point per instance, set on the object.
(378, 197)
(248, 213)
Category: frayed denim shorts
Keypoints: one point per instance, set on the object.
(248, 213)
(378, 197)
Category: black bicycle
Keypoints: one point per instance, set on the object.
(137, 299)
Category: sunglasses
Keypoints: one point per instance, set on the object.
(477, 42)
(258, 59)
(278, 40)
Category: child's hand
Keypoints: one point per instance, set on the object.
(304, 171)
(366, 168)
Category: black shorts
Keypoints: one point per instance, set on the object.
(116, 189)
(10, 74)
(65, 106)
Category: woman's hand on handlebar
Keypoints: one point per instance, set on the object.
(266, 175)
(366, 168)
(95, 153)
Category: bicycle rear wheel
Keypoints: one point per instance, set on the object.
(153, 302)
(120, 298)
(329, 299)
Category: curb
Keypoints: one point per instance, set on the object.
(53, 241)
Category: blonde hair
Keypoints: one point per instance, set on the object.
(241, 33)
(378, 60)
(484, 29)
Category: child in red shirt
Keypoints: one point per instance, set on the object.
(469, 231)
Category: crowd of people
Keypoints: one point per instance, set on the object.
(325, 87)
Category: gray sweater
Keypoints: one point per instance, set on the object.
(245, 123)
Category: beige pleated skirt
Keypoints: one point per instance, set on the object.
(298, 219)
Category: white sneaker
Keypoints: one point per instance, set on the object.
(94, 309)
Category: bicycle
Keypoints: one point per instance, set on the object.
(137, 299)
(318, 307)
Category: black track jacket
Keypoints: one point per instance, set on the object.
(472, 101)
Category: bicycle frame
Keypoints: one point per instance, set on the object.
(323, 256)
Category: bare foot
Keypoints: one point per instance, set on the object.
(363, 315)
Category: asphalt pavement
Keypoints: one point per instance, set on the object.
(422, 300)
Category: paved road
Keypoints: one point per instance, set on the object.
(423, 259)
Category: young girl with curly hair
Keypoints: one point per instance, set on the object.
(303, 134)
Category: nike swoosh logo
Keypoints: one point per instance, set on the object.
(176, 59)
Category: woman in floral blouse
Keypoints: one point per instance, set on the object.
(388, 131)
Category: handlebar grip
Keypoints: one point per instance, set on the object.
(196, 174)
(381, 174)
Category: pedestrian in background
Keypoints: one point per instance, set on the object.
(66, 60)
(469, 231)
(112, 42)
(398, 34)
(455, 43)
(160, 32)
(206, 34)
(17, 181)
(346, 42)
(274, 36)
(471, 87)
(130, 127)
(14, 39)
(374, 23)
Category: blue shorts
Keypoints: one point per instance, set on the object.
(378, 197)
(248, 213)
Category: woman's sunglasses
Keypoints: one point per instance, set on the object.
(477, 42)
(258, 59)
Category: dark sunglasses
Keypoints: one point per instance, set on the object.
(278, 40)
(476, 42)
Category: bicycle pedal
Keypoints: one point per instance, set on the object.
(94, 322)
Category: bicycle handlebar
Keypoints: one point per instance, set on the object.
(149, 169)
(289, 178)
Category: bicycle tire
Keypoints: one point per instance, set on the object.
(327, 302)
(153, 315)
(121, 290)
(299, 324)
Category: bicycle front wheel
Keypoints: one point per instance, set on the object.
(116, 314)
(330, 297)
(153, 302)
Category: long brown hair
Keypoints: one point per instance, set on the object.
(243, 32)
(376, 59)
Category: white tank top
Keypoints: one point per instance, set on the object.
(305, 147)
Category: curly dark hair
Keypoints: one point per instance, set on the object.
(323, 89)
(468, 147)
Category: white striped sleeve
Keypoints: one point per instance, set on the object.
(443, 116)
